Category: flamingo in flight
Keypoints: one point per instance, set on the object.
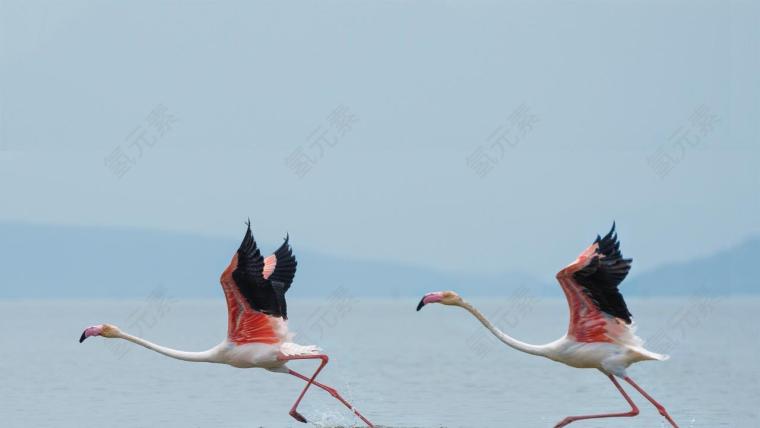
(601, 334)
(257, 330)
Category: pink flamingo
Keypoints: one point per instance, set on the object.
(601, 334)
(257, 331)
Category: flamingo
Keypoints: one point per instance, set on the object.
(257, 330)
(601, 334)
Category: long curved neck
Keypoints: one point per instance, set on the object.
(198, 357)
(509, 340)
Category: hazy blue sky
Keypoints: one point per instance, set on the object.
(604, 88)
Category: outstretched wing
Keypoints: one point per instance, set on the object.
(263, 282)
(283, 265)
(255, 300)
(250, 263)
(603, 274)
(598, 312)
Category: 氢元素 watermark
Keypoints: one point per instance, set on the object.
(144, 137)
(510, 134)
(700, 124)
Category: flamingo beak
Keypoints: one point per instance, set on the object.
(90, 331)
(430, 298)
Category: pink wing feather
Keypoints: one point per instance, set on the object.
(270, 263)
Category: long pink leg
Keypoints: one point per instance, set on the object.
(634, 410)
(660, 407)
(293, 412)
(335, 394)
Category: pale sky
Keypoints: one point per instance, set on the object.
(603, 86)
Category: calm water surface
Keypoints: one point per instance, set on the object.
(435, 368)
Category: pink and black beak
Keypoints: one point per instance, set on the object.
(91, 331)
(434, 297)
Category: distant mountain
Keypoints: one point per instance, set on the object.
(38, 261)
(74, 262)
(731, 271)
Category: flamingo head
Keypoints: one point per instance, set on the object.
(443, 297)
(105, 330)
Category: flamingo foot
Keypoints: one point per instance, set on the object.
(564, 422)
(297, 416)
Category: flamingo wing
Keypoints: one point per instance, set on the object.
(282, 265)
(263, 282)
(254, 288)
(250, 263)
(279, 270)
(598, 312)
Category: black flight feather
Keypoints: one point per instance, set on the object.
(604, 273)
(264, 295)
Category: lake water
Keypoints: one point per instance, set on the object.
(435, 368)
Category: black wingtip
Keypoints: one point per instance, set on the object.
(82, 337)
(610, 234)
(247, 241)
(421, 304)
